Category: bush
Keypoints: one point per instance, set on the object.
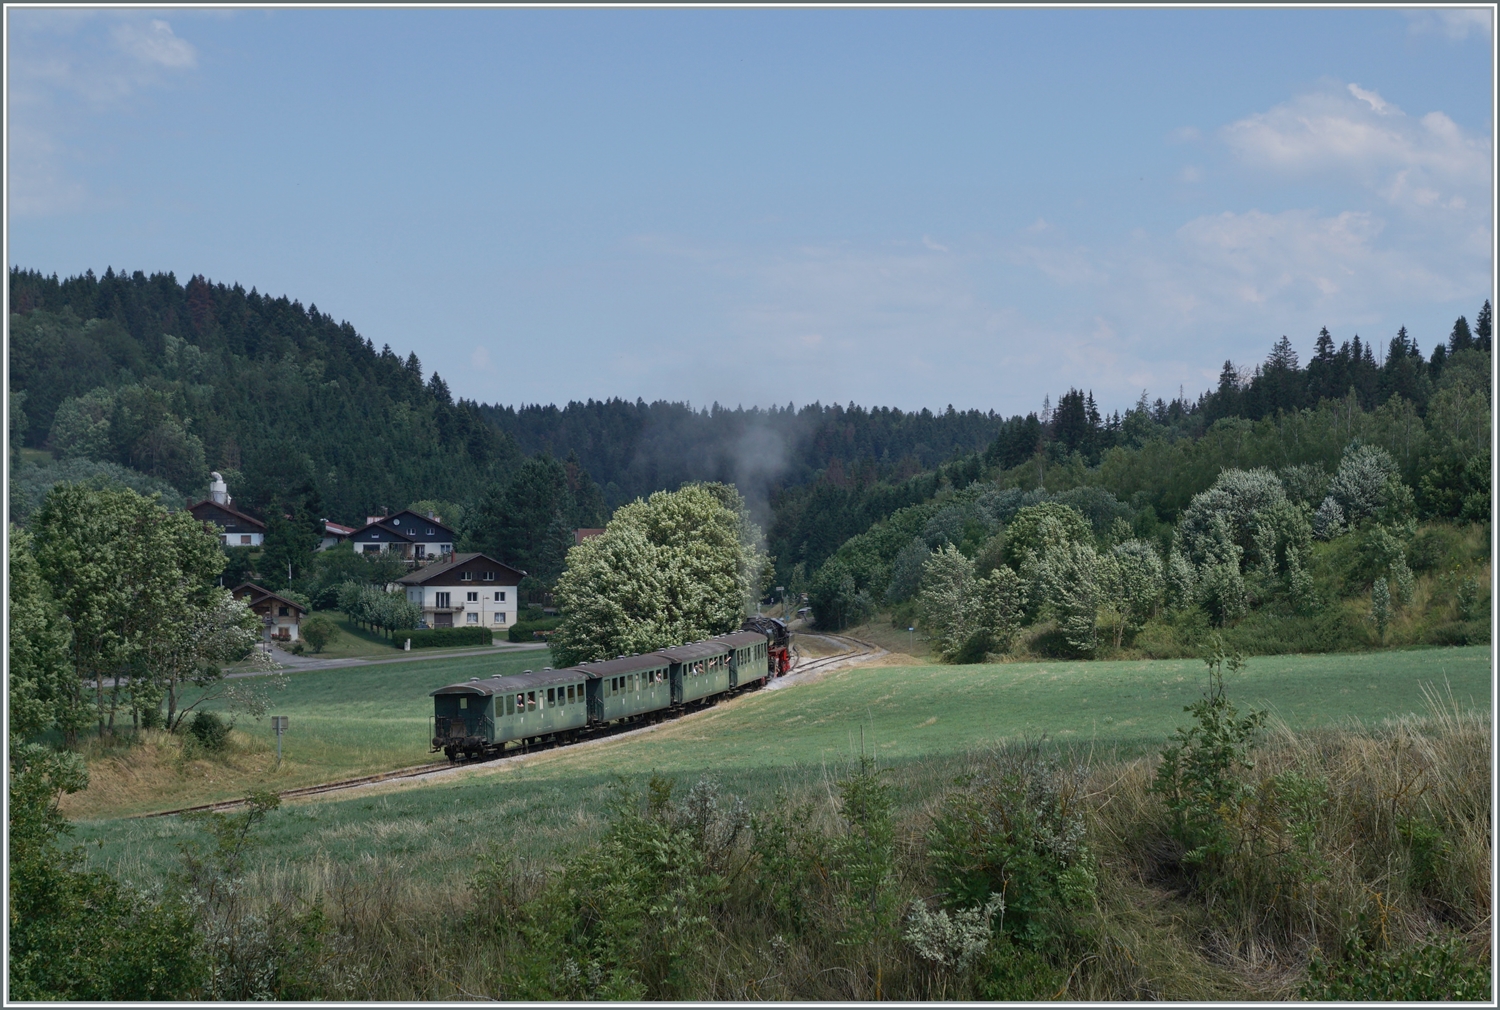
(1017, 830)
(1432, 972)
(318, 630)
(210, 730)
(435, 638)
(525, 631)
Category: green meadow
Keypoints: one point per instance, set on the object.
(918, 721)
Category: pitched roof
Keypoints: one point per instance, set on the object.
(422, 575)
(337, 528)
(515, 682)
(227, 508)
(265, 594)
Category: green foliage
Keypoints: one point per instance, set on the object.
(629, 918)
(527, 522)
(127, 575)
(373, 606)
(1440, 970)
(77, 934)
(675, 568)
(41, 694)
(1201, 775)
(210, 730)
(30, 483)
(340, 564)
(317, 630)
(965, 615)
(1038, 527)
(525, 631)
(864, 856)
(1016, 831)
(442, 638)
(277, 392)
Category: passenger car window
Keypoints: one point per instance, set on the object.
(551, 696)
(530, 701)
(463, 703)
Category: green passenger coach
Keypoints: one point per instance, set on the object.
(628, 687)
(483, 715)
(748, 657)
(699, 670)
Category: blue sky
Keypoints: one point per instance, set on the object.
(901, 207)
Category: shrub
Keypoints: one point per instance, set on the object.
(318, 630)
(525, 631)
(210, 730)
(1016, 830)
(436, 638)
(1431, 972)
(1201, 774)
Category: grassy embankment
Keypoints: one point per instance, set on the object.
(922, 721)
(344, 722)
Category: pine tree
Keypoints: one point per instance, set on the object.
(1482, 328)
(1460, 339)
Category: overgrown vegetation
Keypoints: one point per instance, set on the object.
(1246, 861)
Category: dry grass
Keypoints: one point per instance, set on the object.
(136, 773)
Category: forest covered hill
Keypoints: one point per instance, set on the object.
(146, 381)
(174, 380)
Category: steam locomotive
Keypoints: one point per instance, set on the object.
(480, 717)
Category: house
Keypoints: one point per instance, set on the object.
(235, 528)
(416, 538)
(579, 536)
(334, 534)
(466, 590)
(280, 616)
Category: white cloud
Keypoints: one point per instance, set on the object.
(480, 359)
(1419, 164)
(66, 69)
(1371, 99)
(154, 44)
(1191, 173)
(1455, 24)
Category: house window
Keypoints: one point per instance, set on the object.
(472, 597)
(442, 600)
(499, 597)
(466, 577)
(430, 531)
(395, 522)
(473, 617)
(489, 576)
(244, 538)
(500, 617)
(281, 612)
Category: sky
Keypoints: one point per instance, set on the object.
(910, 208)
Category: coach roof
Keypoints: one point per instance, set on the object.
(516, 682)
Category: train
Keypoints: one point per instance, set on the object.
(481, 717)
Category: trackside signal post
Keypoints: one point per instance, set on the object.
(278, 723)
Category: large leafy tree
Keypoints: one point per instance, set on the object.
(123, 570)
(42, 695)
(671, 569)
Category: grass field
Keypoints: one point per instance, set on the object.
(917, 719)
(343, 723)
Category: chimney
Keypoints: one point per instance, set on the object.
(218, 491)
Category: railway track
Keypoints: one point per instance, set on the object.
(856, 650)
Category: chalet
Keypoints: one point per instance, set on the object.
(468, 589)
(334, 534)
(235, 528)
(280, 616)
(416, 538)
(579, 536)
